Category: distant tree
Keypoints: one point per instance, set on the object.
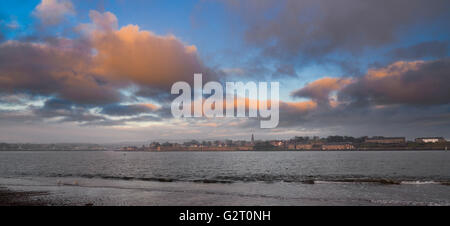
(301, 139)
(263, 146)
(229, 143)
(195, 142)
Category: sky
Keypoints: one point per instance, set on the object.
(101, 71)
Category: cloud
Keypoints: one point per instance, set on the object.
(122, 122)
(52, 12)
(413, 83)
(61, 70)
(65, 111)
(434, 49)
(393, 100)
(315, 29)
(144, 58)
(321, 89)
(103, 22)
(102, 75)
(285, 70)
(401, 82)
(297, 108)
(94, 70)
(391, 120)
(126, 110)
(106, 21)
(151, 61)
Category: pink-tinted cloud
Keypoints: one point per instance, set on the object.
(130, 54)
(320, 90)
(52, 70)
(52, 12)
(402, 82)
(93, 70)
(414, 82)
(298, 107)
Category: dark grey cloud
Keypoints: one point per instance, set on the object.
(434, 49)
(157, 94)
(13, 117)
(314, 29)
(364, 120)
(127, 110)
(57, 104)
(321, 89)
(14, 99)
(46, 70)
(414, 83)
(283, 70)
(65, 111)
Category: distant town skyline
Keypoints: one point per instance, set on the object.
(298, 143)
(101, 71)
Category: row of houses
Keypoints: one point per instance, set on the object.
(400, 140)
(430, 140)
(374, 143)
(337, 146)
(368, 142)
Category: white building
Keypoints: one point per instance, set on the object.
(430, 140)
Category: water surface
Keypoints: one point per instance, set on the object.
(233, 178)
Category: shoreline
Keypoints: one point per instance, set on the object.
(369, 150)
(137, 151)
(157, 194)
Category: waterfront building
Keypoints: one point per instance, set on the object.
(304, 147)
(345, 146)
(430, 140)
(277, 143)
(386, 140)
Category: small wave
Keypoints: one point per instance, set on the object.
(366, 180)
(336, 180)
(313, 179)
(383, 181)
(209, 181)
(407, 203)
(422, 182)
(267, 178)
(154, 179)
(110, 177)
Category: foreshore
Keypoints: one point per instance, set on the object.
(20, 198)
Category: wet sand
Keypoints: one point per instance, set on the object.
(20, 198)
